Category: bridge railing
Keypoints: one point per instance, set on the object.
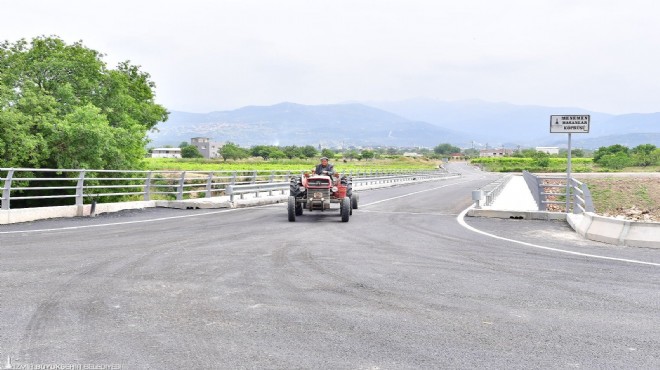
(570, 195)
(485, 196)
(28, 187)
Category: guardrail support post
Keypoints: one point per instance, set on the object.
(209, 185)
(6, 190)
(588, 201)
(79, 193)
(147, 187)
(182, 180)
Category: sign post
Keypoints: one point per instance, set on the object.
(575, 123)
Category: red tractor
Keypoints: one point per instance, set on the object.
(314, 192)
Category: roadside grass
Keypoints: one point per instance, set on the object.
(578, 165)
(632, 197)
(515, 164)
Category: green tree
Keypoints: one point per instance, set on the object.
(612, 149)
(328, 153)
(642, 155)
(577, 153)
(264, 151)
(615, 161)
(190, 151)
(367, 154)
(293, 151)
(541, 159)
(351, 154)
(309, 151)
(60, 106)
(232, 151)
(446, 149)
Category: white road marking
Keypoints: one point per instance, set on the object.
(132, 222)
(409, 194)
(461, 221)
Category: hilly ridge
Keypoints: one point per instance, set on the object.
(414, 122)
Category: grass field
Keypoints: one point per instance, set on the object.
(291, 164)
(633, 197)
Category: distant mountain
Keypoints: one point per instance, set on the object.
(629, 140)
(415, 122)
(296, 124)
(511, 125)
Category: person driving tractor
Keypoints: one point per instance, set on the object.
(325, 168)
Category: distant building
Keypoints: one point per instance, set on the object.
(206, 147)
(495, 152)
(166, 153)
(457, 156)
(547, 149)
(412, 154)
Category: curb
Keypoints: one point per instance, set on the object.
(517, 215)
(615, 231)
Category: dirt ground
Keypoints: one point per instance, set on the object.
(631, 197)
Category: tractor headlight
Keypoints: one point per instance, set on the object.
(334, 189)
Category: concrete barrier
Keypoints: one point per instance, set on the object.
(616, 231)
(11, 216)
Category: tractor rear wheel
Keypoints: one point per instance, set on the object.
(354, 201)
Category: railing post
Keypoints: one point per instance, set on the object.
(79, 194)
(254, 177)
(272, 176)
(588, 201)
(233, 178)
(6, 190)
(209, 185)
(80, 187)
(182, 180)
(147, 187)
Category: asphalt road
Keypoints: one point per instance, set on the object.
(406, 284)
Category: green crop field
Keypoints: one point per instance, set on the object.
(175, 164)
(516, 164)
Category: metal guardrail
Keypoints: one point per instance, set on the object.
(26, 185)
(241, 190)
(485, 196)
(573, 194)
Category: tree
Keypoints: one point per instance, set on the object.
(309, 151)
(446, 149)
(293, 151)
(351, 154)
(61, 107)
(328, 153)
(541, 159)
(367, 154)
(190, 151)
(577, 153)
(615, 161)
(232, 151)
(263, 151)
(642, 155)
(612, 149)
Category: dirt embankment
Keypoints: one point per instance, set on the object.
(628, 196)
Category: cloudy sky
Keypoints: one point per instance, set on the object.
(204, 55)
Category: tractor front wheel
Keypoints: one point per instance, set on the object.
(345, 209)
(291, 207)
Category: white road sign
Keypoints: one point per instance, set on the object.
(570, 124)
